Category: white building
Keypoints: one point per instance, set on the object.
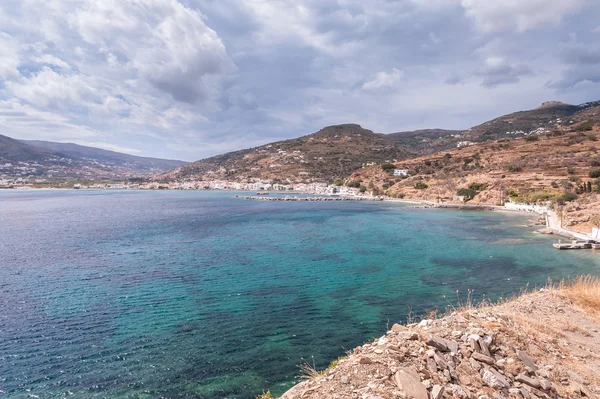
(401, 172)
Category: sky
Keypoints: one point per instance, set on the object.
(187, 79)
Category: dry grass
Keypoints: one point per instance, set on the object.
(265, 395)
(308, 371)
(585, 291)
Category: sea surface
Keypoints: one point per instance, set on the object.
(131, 294)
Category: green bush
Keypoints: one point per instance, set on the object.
(338, 182)
(468, 193)
(514, 168)
(513, 194)
(595, 162)
(595, 173)
(388, 166)
(532, 138)
(354, 184)
(421, 186)
(585, 127)
(362, 188)
(478, 186)
(571, 171)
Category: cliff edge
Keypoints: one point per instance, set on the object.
(540, 345)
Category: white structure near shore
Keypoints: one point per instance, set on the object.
(514, 206)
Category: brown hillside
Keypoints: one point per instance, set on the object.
(547, 166)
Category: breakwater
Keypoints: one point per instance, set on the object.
(308, 199)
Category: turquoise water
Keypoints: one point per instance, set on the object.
(115, 294)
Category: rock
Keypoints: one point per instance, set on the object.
(437, 392)
(493, 379)
(378, 351)
(365, 360)
(574, 376)
(439, 359)
(437, 342)
(483, 358)
(344, 379)
(431, 365)
(532, 382)
(586, 392)
(475, 364)
(457, 334)
(452, 346)
(408, 336)
(496, 395)
(526, 359)
(545, 384)
(409, 381)
(398, 328)
(484, 347)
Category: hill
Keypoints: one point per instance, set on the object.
(337, 151)
(330, 153)
(562, 165)
(48, 160)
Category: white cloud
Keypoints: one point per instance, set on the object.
(497, 71)
(110, 147)
(384, 80)
(522, 15)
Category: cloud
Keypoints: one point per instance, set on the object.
(191, 78)
(521, 15)
(497, 71)
(162, 42)
(384, 80)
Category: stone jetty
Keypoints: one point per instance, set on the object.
(308, 199)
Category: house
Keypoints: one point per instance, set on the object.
(400, 172)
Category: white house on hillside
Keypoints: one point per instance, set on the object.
(401, 172)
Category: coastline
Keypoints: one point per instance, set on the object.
(532, 346)
(552, 222)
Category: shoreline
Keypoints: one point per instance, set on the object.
(552, 222)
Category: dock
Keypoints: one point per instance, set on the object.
(577, 244)
(308, 199)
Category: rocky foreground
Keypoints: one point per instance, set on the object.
(541, 345)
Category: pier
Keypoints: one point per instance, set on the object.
(577, 244)
(308, 199)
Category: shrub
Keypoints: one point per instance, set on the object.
(514, 168)
(532, 138)
(595, 173)
(595, 162)
(571, 171)
(388, 166)
(421, 186)
(362, 188)
(513, 193)
(338, 182)
(478, 186)
(468, 193)
(585, 127)
(354, 184)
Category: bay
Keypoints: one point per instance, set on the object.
(133, 294)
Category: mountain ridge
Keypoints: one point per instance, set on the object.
(46, 159)
(333, 151)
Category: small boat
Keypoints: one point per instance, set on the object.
(262, 193)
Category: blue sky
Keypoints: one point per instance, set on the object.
(187, 79)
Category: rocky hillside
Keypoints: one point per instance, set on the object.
(43, 159)
(332, 152)
(562, 165)
(546, 118)
(337, 151)
(541, 345)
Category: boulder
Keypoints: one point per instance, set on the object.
(409, 382)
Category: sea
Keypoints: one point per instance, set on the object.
(198, 294)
